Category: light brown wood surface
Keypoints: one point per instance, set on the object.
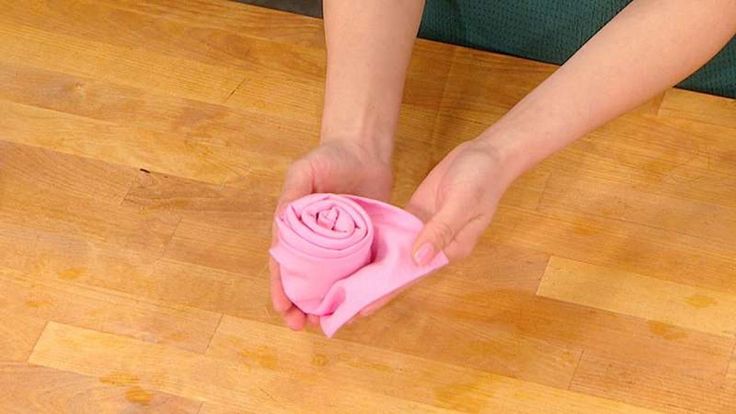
(142, 147)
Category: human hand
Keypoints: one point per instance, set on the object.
(337, 166)
(457, 200)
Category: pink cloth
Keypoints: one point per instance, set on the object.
(340, 253)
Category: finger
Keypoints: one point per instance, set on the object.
(279, 300)
(295, 319)
(297, 184)
(439, 232)
(313, 320)
(465, 241)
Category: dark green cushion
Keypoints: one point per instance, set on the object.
(550, 31)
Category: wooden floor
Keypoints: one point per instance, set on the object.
(142, 146)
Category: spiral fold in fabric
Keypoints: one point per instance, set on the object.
(340, 253)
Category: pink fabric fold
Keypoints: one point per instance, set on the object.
(340, 253)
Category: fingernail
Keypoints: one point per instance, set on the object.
(423, 254)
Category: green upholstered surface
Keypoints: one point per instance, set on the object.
(550, 31)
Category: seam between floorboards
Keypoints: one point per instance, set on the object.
(575, 371)
(214, 332)
(168, 243)
(35, 344)
(731, 358)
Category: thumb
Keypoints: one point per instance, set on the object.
(437, 234)
(297, 184)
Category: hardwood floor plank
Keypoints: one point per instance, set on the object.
(414, 326)
(53, 256)
(21, 44)
(234, 206)
(613, 243)
(112, 102)
(699, 107)
(237, 18)
(674, 149)
(565, 325)
(295, 67)
(172, 135)
(202, 378)
(252, 59)
(34, 389)
(18, 333)
(88, 219)
(16, 242)
(134, 274)
(105, 310)
(52, 171)
(395, 374)
(669, 389)
(117, 27)
(494, 267)
(191, 157)
(622, 201)
(203, 287)
(637, 295)
(237, 250)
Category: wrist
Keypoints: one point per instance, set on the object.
(510, 162)
(366, 147)
(360, 126)
(369, 142)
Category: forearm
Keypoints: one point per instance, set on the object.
(650, 46)
(369, 45)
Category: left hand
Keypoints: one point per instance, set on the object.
(456, 201)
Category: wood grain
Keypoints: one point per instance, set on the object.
(232, 383)
(668, 388)
(389, 373)
(106, 311)
(662, 302)
(22, 44)
(18, 333)
(714, 110)
(142, 150)
(28, 388)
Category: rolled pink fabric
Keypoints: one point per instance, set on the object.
(340, 253)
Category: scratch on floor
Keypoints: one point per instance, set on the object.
(235, 90)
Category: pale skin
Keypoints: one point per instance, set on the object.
(648, 47)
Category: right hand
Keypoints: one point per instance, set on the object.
(341, 167)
